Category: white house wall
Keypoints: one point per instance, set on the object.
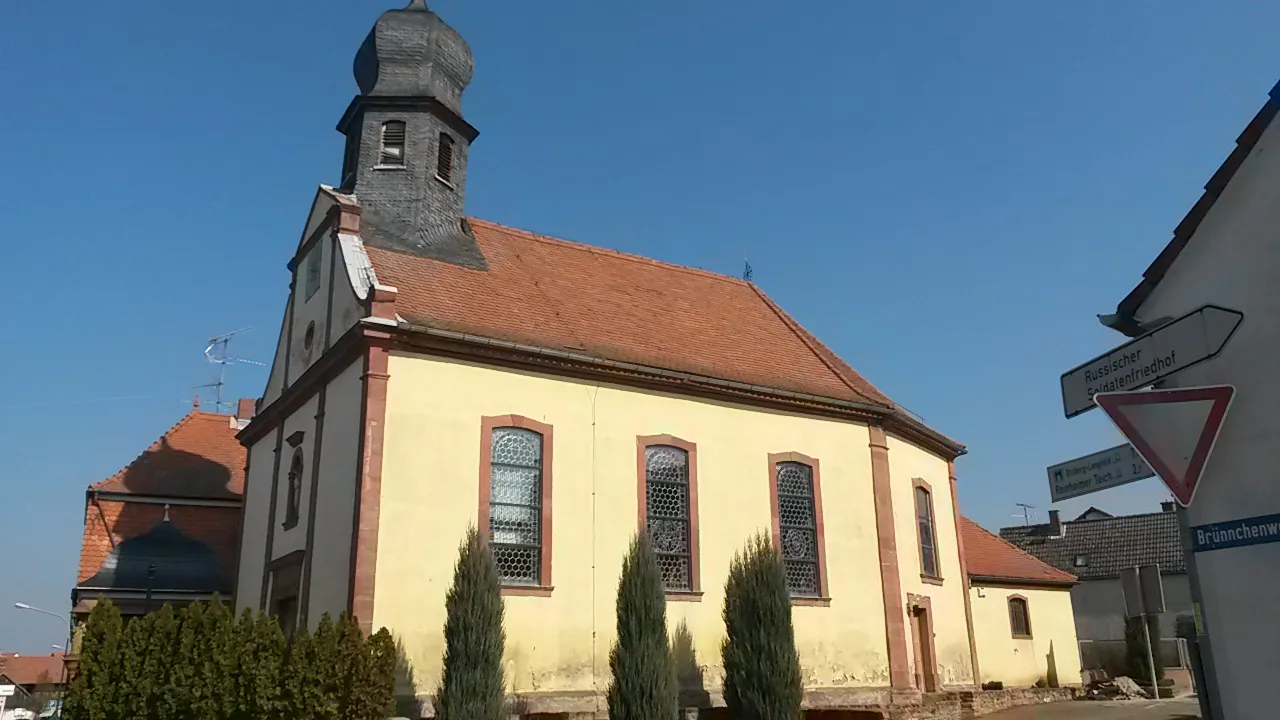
(336, 494)
(1233, 260)
(313, 310)
(275, 382)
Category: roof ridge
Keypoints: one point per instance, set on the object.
(818, 348)
(597, 250)
(1018, 549)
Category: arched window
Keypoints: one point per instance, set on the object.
(798, 528)
(515, 504)
(1019, 617)
(294, 498)
(925, 531)
(666, 487)
(393, 139)
(444, 158)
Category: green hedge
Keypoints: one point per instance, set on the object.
(203, 663)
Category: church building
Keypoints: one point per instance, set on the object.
(436, 371)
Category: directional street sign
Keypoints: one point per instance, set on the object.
(1099, 471)
(1259, 530)
(1148, 359)
(1173, 430)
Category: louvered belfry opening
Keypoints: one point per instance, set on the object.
(444, 158)
(393, 141)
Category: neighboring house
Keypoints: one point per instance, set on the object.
(1224, 252)
(1023, 625)
(436, 371)
(1094, 513)
(1096, 551)
(166, 527)
(37, 679)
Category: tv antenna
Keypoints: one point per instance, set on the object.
(747, 273)
(216, 353)
(1026, 512)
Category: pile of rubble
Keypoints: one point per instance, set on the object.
(1121, 688)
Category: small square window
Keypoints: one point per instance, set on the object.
(1082, 561)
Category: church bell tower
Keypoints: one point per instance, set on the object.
(407, 142)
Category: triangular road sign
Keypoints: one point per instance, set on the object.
(1173, 430)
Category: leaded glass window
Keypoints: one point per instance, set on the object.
(515, 504)
(798, 528)
(666, 489)
(924, 523)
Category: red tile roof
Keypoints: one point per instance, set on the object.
(1182, 234)
(988, 557)
(562, 295)
(31, 669)
(107, 523)
(199, 457)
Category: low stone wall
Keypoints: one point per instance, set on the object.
(976, 703)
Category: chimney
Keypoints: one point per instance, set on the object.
(244, 411)
(1167, 506)
(1055, 524)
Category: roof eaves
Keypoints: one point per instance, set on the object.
(1007, 580)
(1182, 234)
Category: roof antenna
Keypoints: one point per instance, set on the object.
(1026, 513)
(746, 271)
(216, 353)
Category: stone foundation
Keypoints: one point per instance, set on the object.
(875, 703)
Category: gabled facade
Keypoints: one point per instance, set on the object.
(166, 528)
(1224, 252)
(1023, 621)
(437, 371)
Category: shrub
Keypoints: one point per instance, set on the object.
(1135, 643)
(643, 685)
(471, 684)
(761, 667)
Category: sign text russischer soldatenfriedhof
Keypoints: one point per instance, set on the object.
(1148, 359)
(1099, 471)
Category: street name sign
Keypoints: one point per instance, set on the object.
(1173, 430)
(1107, 469)
(1175, 346)
(1236, 533)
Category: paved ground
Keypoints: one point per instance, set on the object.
(1179, 709)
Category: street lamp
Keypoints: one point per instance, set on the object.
(24, 606)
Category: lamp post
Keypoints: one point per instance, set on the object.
(62, 678)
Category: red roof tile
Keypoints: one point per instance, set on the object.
(107, 523)
(31, 669)
(989, 557)
(199, 457)
(566, 296)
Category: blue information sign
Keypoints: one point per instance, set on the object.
(1236, 533)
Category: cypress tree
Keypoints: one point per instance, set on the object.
(761, 667)
(158, 649)
(471, 684)
(380, 666)
(257, 686)
(91, 695)
(643, 685)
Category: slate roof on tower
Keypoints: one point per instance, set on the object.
(199, 457)
(567, 296)
(988, 557)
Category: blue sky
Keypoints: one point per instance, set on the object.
(946, 193)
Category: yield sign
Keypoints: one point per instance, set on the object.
(1173, 430)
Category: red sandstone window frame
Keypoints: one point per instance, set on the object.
(1026, 615)
(823, 597)
(918, 484)
(643, 442)
(487, 425)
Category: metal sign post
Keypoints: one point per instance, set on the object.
(1144, 599)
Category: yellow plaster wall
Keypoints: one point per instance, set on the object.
(1018, 662)
(430, 485)
(951, 632)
